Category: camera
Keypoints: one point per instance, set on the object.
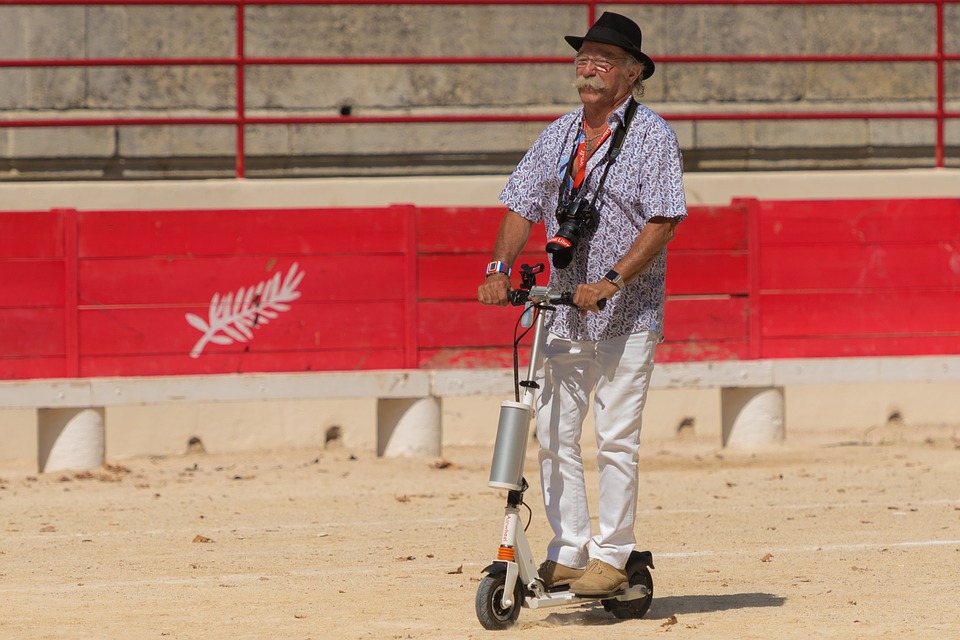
(577, 219)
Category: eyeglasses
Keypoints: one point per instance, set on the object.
(600, 64)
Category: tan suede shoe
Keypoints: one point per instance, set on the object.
(599, 579)
(555, 574)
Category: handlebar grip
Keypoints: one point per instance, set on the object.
(518, 297)
(567, 298)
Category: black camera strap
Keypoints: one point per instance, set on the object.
(615, 146)
(612, 152)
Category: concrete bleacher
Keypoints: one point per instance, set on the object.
(433, 30)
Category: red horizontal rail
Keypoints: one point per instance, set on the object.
(121, 122)
(445, 60)
(807, 115)
(813, 115)
(462, 119)
(586, 3)
(119, 62)
(823, 58)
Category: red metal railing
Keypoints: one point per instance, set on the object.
(240, 120)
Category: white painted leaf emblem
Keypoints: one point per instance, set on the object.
(234, 316)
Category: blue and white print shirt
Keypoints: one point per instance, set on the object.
(646, 181)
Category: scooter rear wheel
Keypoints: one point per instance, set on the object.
(633, 609)
(490, 610)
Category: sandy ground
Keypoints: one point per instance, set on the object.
(840, 536)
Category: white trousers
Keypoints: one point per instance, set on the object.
(617, 373)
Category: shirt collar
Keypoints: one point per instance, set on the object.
(616, 116)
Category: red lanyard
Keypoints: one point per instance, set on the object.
(581, 171)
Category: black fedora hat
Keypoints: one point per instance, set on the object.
(613, 28)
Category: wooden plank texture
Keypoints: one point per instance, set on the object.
(242, 362)
(860, 313)
(31, 367)
(830, 278)
(241, 232)
(31, 332)
(457, 276)
(707, 272)
(466, 324)
(831, 267)
(491, 357)
(31, 283)
(459, 229)
(31, 234)
(862, 346)
(697, 350)
(857, 222)
(158, 330)
(720, 318)
(712, 229)
(183, 280)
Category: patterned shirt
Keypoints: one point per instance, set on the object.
(646, 181)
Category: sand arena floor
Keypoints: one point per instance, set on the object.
(839, 536)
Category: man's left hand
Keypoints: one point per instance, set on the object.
(587, 296)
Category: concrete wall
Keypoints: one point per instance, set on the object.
(830, 412)
(80, 32)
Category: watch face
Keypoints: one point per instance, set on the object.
(497, 267)
(614, 277)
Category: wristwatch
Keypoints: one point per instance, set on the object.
(615, 278)
(498, 267)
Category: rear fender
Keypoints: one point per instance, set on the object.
(640, 559)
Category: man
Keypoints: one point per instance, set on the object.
(639, 199)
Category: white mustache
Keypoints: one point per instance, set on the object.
(591, 82)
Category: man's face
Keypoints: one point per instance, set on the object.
(601, 76)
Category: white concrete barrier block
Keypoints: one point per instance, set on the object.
(408, 427)
(70, 439)
(752, 416)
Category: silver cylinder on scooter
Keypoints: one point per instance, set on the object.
(510, 450)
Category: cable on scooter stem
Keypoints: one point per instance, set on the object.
(519, 297)
(516, 351)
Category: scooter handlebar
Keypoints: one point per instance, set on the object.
(519, 297)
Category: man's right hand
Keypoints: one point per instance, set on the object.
(495, 290)
(511, 238)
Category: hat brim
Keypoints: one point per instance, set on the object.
(616, 40)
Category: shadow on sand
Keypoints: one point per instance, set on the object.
(680, 605)
(664, 608)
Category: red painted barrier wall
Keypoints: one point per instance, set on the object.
(102, 293)
(859, 278)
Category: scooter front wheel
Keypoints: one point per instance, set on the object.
(490, 610)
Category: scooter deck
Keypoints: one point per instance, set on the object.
(564, 597)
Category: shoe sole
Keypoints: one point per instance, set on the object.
(561, 583)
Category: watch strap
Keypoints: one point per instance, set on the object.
(615, 278)
(498, 267)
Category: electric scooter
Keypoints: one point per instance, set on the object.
(512, 580)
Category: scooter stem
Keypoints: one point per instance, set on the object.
(529, 393)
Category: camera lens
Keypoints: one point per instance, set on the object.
(562, 245)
